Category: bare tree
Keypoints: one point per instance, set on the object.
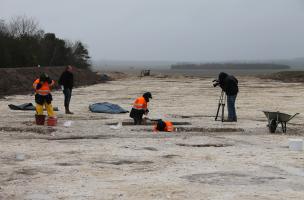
(3, 27)
(23, 25)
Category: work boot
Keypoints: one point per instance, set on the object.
(67, 111)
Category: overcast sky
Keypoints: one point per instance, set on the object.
(175, 30)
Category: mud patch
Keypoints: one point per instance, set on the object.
(204, 145)
(126, 162)
(86, 137)
(39, 130)
(65, 164)
(230, 178)
(169, 156)
(150, 148)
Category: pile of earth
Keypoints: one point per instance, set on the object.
(20, 80)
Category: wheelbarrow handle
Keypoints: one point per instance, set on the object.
(293, 116)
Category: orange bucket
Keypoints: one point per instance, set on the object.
(52, 121)
(40, 119)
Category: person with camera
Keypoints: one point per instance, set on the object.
(229, 85)
(140, 108)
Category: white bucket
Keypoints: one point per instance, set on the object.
(296, 144)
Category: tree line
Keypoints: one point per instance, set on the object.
(24, 44)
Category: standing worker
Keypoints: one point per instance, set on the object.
(66, 81)
(229, 85)
(43, 96)
(140, 108)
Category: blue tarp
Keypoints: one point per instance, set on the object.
(106, 107)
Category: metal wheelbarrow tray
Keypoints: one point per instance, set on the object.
(276, 118)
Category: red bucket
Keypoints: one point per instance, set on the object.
(52, 121)
(40, 119)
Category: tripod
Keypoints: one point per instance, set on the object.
(221, 103)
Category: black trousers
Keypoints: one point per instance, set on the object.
(67, 96)
(137, 115)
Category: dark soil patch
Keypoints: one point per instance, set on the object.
(131, 123)
(170, 156)
(39, 130)
(150, 148)
(67, 164)
(208, 130)
(85, 137)
(230, 178)
(204, 145)
(126, 162)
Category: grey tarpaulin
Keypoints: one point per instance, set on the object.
(25, 106)
(106, 107)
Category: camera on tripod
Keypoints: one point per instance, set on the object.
(215, 83)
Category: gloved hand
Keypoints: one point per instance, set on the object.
(147, 111)
(39, 85)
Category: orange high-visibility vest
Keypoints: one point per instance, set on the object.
(45, 88)
(140, 104)
(169, 126)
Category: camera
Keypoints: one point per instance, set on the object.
(215, 83)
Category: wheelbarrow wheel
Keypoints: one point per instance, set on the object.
(273, 126)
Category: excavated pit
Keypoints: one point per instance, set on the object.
(204, 145)
(131, 123)
(39, 130)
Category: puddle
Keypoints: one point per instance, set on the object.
(230, 178)
(204, 145)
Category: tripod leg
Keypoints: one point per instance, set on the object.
(223, 108)
(219, 105)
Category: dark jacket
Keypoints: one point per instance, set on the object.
(229, 84)
(67, 80)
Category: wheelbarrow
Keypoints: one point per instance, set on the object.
(276, 118)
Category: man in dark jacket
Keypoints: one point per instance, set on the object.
(66, 81)
(229, 85)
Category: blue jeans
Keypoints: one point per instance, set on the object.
(231, 107)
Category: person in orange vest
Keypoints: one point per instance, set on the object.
(43, 96)
(165, 126)
(140, 108)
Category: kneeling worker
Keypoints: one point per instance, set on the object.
(43, 96)
(140, 108)
(165, 126)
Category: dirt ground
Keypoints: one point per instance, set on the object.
(204, 160)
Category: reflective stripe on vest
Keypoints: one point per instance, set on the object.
(45, 88)
(140, 103)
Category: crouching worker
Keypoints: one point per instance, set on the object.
(140, 108)
(43, 95)
(164, 126)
